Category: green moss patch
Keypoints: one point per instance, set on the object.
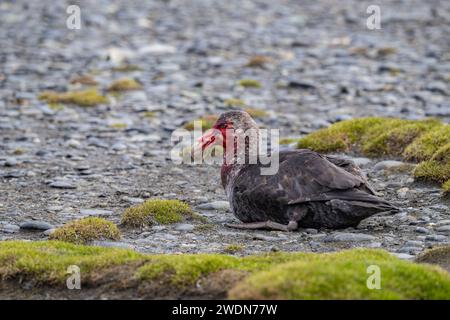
(340, 275)
(86, 230)
(125, 85)
(206, 123)
(446, 188)
(420, 140)
(156, 210)
(47, 261)
(85, 98)
(85, 80)
(424, 147)
(249, 83)
(344, 275)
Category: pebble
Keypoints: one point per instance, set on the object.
(96, 212)
(215, 205)
(48, 232)
(36, 225)
(388, 164)
(348, 237)
(62, 185)
(361, 162)
(184, 227)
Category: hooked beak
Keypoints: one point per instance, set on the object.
(209, 139)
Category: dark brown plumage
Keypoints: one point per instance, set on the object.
(309, 190)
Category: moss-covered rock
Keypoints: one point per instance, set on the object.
(276, 275)
(156, 210)
(446, 188)
(206, 123)
(421, 140)
(86, 230)
(85, 98)
(124, 85)
(85, 80)
(344, 275)
(249, 83)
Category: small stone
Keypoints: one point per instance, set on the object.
(112, 244)
(48, 232)
(388, 164)
(184, 227)
(215, 205)
(62, 185)
(403, 192)
(413, 243)
(118, 147)
(444, 229)
(422, 230)
(133, 200)
(73, 143)
(10, 228)
(443, 223)
(348, 237)
(95, 212)
(361, 162)
(436, 237)
(11, 162)
(36, 225)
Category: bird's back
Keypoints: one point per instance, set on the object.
(332, 191)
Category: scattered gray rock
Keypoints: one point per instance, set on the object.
(113, 244)
(36, 225)
(9, 228)
(62, 185)
(388, 164)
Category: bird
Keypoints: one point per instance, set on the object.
(309, 190)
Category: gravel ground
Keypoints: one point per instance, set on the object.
(59, 164)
